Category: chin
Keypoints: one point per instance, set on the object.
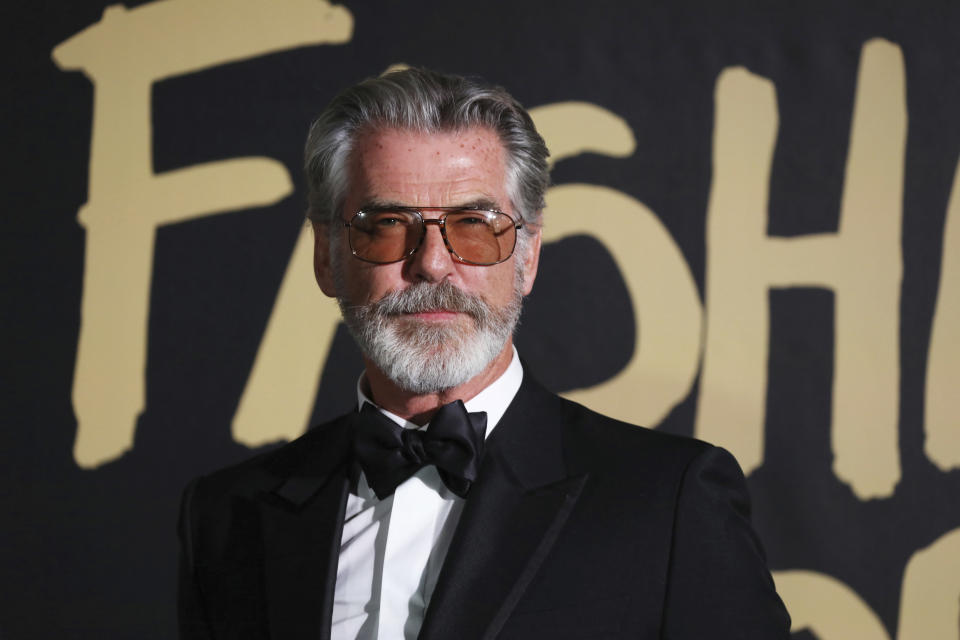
(433, 357)
(423, 351)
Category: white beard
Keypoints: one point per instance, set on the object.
(424, 357)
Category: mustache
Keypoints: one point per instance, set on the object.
(423, 297)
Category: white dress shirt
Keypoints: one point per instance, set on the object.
(391, 550)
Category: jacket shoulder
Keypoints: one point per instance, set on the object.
(609, 444)
(321, 447)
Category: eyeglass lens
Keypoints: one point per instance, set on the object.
(476, 236)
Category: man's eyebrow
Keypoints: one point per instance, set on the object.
(483, 203)
(479, 203)
(377, 203)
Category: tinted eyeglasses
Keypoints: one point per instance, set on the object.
(474, 236)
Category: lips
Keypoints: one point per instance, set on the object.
(435, 314)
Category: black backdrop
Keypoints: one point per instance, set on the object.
(89, 551)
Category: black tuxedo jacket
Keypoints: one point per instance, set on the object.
(578, 526)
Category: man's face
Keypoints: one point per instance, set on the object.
(430, 335)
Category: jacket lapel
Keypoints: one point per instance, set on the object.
(302, 526)
(512, 517)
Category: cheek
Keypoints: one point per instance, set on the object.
(369, 283)
(498, 286)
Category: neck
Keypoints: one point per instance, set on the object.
(419, 408)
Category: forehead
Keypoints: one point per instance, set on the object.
(427, 169)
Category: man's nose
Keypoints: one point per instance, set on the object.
(432, 260)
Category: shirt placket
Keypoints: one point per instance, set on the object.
(410, 539)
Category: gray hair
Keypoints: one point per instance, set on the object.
(430, 102)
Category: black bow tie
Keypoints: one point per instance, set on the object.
(389, 454)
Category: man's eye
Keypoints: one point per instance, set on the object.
(386, 221)
(472, 220)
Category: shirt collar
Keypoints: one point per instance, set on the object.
(493, 399)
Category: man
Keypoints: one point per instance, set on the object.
(515, 513)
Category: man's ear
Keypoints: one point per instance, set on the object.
(322, 269)
(531, 259)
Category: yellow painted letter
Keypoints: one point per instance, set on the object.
(942, 410)
(930, 599)
(827, 607)
(123, 55)
(861, 263)
(663, 294)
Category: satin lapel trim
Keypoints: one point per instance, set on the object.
(503, 536)
(302, 527)
(302, 551)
